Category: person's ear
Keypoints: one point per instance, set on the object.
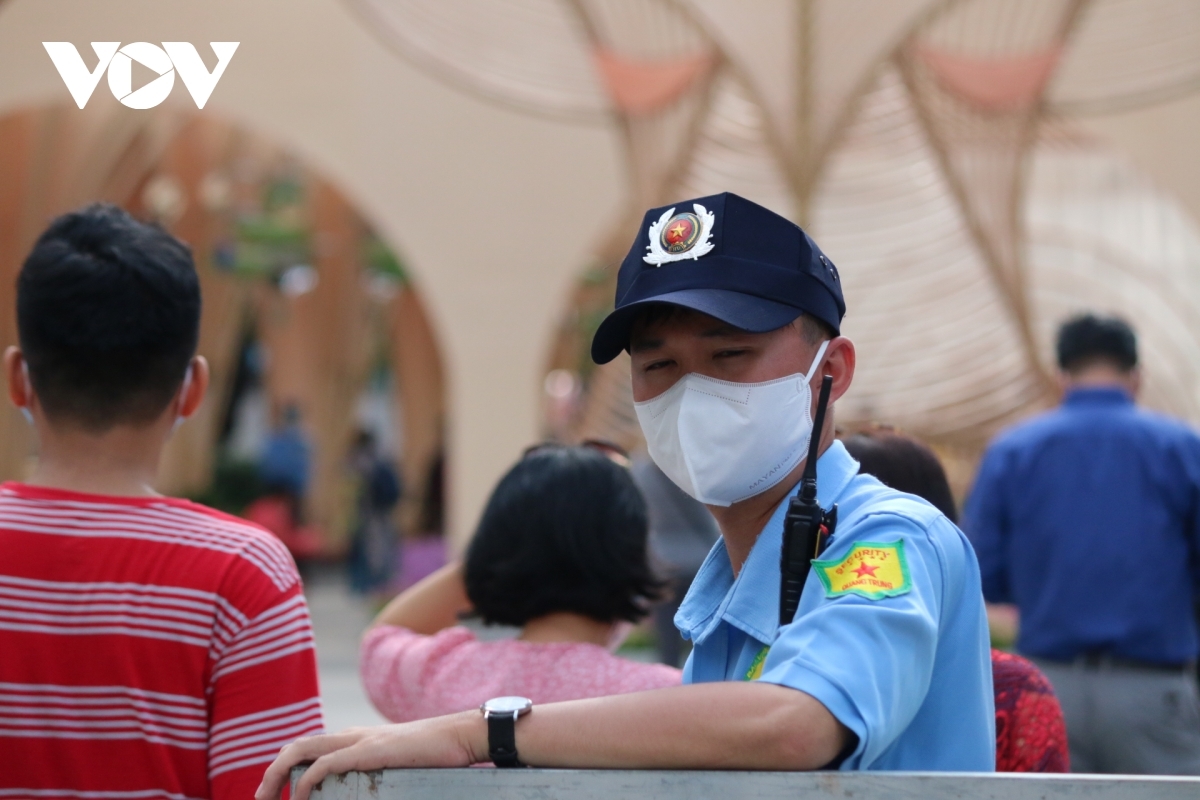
(840, 360)
(192, 392)
(1063, 378)
(1134, 381)
(20, 392)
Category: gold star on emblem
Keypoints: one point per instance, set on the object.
(679, 230)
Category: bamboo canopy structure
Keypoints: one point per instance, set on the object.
(539, 156)
(940, 150)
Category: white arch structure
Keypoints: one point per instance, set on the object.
(492, 210)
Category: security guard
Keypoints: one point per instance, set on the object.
(731, 315)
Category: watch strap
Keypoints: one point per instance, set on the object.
(502, 739)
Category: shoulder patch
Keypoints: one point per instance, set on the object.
(871, 570)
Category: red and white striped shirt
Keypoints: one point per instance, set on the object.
(149, 648)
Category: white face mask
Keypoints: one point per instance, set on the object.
(722, 442)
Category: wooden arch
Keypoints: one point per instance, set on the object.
(176, 167)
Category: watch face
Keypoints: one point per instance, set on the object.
(507, 705)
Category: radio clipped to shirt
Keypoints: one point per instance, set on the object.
(807, 527)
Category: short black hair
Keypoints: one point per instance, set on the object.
(564, 530)
(1089, 339)
(905, 464)
(815, 330)
(108, 317)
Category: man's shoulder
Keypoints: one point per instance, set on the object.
(164, 536)
(876, 512)
(866, 496)
(1032, 431)
(237, 527)
(1167, 427)
(246, 544)
(1063, 424)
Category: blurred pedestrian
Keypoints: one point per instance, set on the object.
(425, 550)
(681, 534)
(1087, 518)
(375, 541)
(560, 553)
(1031, 735)
(285, 462)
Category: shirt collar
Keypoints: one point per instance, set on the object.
(717, 595)
(1093, 396)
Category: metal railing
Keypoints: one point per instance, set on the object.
(552, 784)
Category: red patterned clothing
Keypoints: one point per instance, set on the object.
(409, 676)
(1031, 735)
(150, 648)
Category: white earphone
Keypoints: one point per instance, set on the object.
(183, 390)
(25, 412)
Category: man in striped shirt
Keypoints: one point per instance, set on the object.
(149, 647)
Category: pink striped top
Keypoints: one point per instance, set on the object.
(409, 676)
(149, 648)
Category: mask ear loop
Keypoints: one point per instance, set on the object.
(183, 390)
(812, 369)
(25, 412)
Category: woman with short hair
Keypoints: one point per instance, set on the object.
(560, 552)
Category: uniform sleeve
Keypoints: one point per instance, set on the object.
(869, 662)
(397, 664)
(986, 526)
(263, 684)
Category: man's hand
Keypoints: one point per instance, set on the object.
(451, 741)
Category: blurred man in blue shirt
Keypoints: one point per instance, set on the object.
(1087, 518)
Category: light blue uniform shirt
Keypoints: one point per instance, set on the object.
(910, 675)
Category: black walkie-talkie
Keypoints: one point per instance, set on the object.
(807, 526)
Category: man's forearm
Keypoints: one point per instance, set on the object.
(706, 726)
(710, 726)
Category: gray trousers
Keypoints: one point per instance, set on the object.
(1128, 720)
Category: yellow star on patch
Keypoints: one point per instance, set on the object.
(872, 570)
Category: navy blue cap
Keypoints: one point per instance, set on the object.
(726, 257)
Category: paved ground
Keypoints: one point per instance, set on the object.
(338, 621)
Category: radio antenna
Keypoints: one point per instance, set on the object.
(806, 525)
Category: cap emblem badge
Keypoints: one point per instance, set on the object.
(677, 237)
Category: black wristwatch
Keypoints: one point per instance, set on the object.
(501, 714)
